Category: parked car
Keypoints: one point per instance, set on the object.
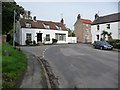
(102, 45)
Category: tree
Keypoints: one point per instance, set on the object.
(27, 15)
(70, 33)
(104, 33)
(110, 36)
(8, 15)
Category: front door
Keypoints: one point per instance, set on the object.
(39, 37)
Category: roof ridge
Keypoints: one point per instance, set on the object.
(85, 19)
(110, 14)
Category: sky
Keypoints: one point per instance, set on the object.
(54, 11)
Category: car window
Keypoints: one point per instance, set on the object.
(105, 43)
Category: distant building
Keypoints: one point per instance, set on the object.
(82, 30)
(40, 31)
(109, 23)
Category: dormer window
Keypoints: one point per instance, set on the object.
(46, 26)
(59, 27)
(27, 24)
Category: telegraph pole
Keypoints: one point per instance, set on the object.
(14, 29)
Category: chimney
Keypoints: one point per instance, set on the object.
(96, 16)
(62, 21)
(78, 17)
(34, 18)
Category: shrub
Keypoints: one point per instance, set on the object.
(28, 42)
(115, 43)
(34, 42)
(54, 41)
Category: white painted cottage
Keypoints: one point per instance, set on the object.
(43, 31)
(109, 23)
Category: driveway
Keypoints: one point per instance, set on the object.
(78, 65)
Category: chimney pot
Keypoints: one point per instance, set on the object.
(34, 18)
(78, 17)
(96, 16)
(62, 21)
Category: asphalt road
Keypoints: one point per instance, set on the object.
(78, 65)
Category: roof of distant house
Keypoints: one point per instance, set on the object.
(107, 19)
(41, 24)
(86, 21)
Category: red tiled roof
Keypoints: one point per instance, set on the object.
(86, 21)
(40, 24)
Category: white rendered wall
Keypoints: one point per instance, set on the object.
(44, 31)
(103, 27)
(72, 39)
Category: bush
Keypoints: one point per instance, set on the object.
(54, 41)
(115, 43)
(28, 42)
(34, 42)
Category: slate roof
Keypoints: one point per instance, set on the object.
(107, 19)
(40, 24)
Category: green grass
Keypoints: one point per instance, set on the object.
(13, 66)
(0, 65)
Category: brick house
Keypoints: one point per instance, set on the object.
(82, 30)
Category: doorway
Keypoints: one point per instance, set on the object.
(39, 37)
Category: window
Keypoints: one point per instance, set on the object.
(83, 24)
(46, 26)
(59, 27)
(47, 37)
(108, 26)
(87, 30)
(27, 24)
(87, 25)
(97, 37)
(98, 27)
(60, 37)
(28, 36)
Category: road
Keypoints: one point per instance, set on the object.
(84, 67)
(79, 65)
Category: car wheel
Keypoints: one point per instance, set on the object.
(101, 48)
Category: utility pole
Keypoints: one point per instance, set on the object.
(14, 29)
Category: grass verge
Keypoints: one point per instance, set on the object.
(13, 66)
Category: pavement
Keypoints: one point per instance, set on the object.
(32, 78)
(76, 65)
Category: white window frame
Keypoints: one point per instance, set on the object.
(60, 37)
(28, 36)
(108, 26)
(59, 27)
(47, 37)
(98, 27)
(27, 24)
(46, 26)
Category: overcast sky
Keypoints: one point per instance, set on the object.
(54, 11)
